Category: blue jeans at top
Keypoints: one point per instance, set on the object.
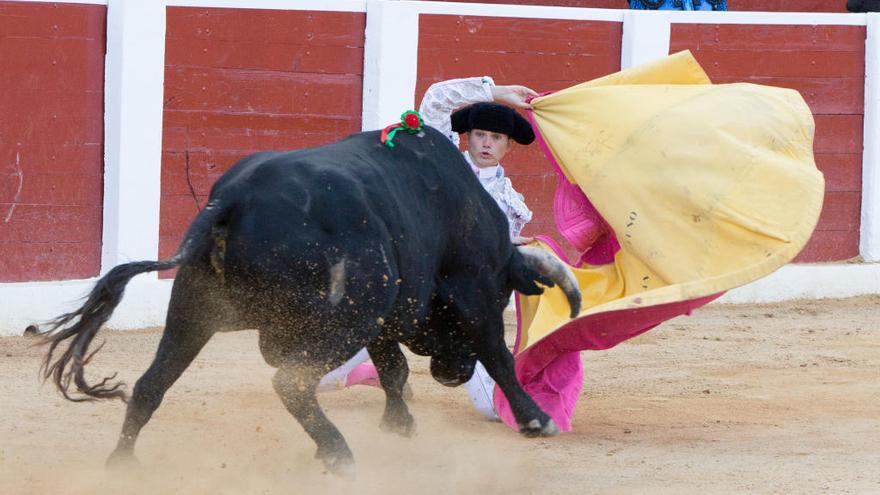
(678, 4)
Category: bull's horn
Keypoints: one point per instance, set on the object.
(553, 268)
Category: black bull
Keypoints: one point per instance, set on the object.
(325, 251)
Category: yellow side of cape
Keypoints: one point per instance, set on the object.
(707, 187)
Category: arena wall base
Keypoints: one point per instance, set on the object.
(146, 298)
(810, 281)
(34, 303)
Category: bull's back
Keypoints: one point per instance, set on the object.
(419, 191)
(380, 214)
(406, 213)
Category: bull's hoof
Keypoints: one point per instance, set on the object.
(337, 458)
(122, 460)
(339, 464)
(535, 429)
(404, 425)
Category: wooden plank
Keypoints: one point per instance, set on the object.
(780, 63)
(204, 162)
(535, 188)
(527, 161)
(176, 180)
(534, 228)
(251, 140)
(830, 245)
(176, 213)
(48, 157)
(577, 42)
(518, 35)
(519, 66)
(838, 134)
(75, 118)
(824, 95)
(52, 189)
(198, 122)
(513, 27)
(841, 211)
(52, 21)
(42, 261)
(265, 56)
(260, 140)
(263, 25)
(49, 223)
(46, 64)
(262, 92)
(775, 37)
(843, 172)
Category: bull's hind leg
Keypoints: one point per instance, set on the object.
(393, 372)
(295, 385)
(192, 315)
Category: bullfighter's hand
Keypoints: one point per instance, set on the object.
(513, 96)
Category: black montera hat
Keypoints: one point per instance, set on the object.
(495, 118)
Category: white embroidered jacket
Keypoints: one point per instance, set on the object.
(437, 106)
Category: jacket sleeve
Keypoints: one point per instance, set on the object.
(518, 214)
(444, 97)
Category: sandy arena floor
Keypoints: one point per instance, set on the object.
(781, 398)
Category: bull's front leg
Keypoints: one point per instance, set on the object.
(393, 372)
(492, 352)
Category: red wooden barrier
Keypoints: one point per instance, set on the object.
(51, 140)
(239, 81)
(543, 54)
(827, 65)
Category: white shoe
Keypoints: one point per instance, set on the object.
(481, 388)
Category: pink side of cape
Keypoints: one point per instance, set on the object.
(551, 371)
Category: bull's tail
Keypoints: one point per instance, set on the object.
(81, 325)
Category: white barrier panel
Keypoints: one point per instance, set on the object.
(870, 221)
(810, 281)
(133, 131)
(35, 303)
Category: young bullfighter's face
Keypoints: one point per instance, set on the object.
(487, 148)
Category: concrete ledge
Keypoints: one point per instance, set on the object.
(146, 298)
(810, 281)
(144, 304)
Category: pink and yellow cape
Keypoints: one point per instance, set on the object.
(674, 190)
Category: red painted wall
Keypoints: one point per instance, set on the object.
(239, 81)
(51, 140)
(740, 5)
(543, 54)
(826, 64)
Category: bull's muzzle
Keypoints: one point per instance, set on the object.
(451, 370)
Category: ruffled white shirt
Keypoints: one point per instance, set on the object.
(437, 106)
